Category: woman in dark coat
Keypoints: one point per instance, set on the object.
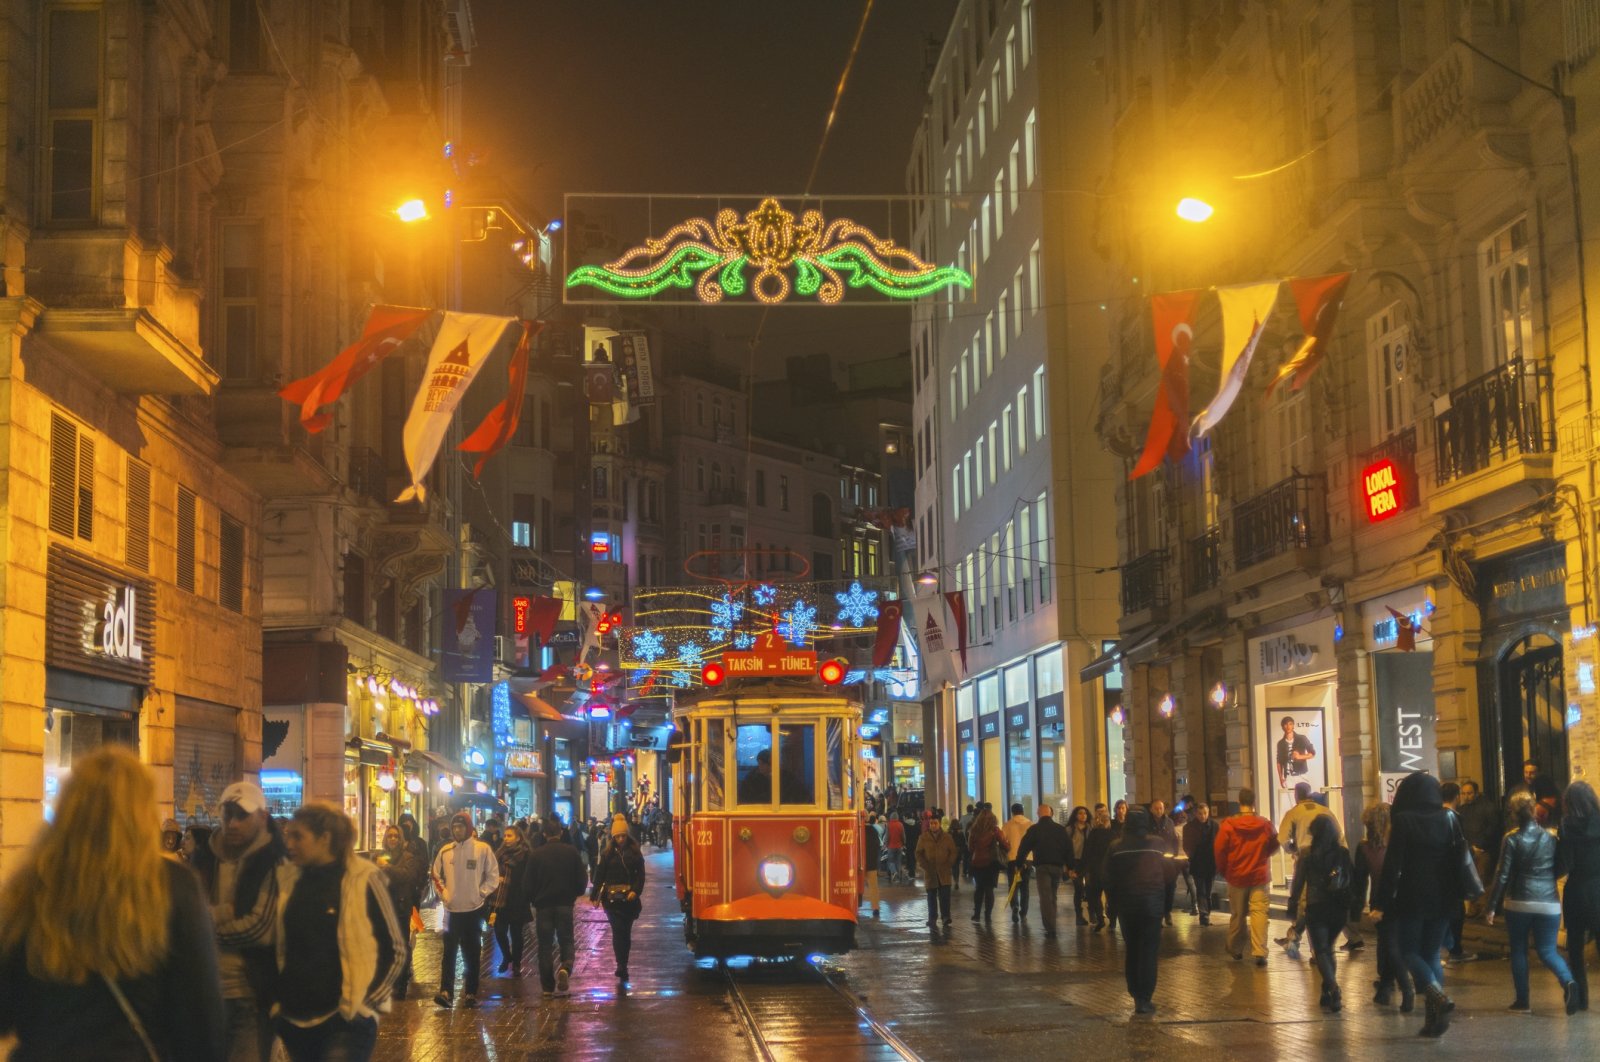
(1420, 888)
(871, 856)
(1322, 882)
(1095, 846)
(512, 912)
(1137, 872)
(988, 854)
(1579, 847)
(1368, 860)
(618, 887)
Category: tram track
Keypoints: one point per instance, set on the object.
(782, 1015)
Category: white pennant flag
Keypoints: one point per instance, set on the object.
(1245, 309)
(933, 638)
(465, 342)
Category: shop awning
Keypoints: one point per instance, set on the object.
(1148, 638)
(536, 707)
(426, 760)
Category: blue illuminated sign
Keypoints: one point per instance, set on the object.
(500, 723)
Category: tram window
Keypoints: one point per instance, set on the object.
(836, 780)
(714, 754)
(753, 757)
(797, 764)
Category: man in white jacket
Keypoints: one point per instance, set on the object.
(1017, 869)
(466, 874)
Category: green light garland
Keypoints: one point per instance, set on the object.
(825, 257)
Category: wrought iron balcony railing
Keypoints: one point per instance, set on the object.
(1202, 561)
(1508, 410)
(1144, 583)
(1287, 516)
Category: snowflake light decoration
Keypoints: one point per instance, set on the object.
(725, 613)
(691, 654)
(766, 594)
(743, 639)
(648, 646)
(856, 605)
(798, 623)
(682, 679)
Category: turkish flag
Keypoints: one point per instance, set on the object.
(1317, 299)
(888, 634)
(957, 601)
(387, 327)
(1173, 313)
(542, 615)
(500, 424)
(1405, 634)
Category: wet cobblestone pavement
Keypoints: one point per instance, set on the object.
(973, 993)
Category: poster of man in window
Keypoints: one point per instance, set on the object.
(1297, 753)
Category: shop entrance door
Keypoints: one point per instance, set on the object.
(1532, 712)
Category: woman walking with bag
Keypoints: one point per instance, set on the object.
(512, 912)
(1322, 881)
(1525, 888)
(406, 874)
(1369, 857)
(106, 945)
(618, 888)
(1579, 851)
(988, 855)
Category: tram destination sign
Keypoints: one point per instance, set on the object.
(770, 662)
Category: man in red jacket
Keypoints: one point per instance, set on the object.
(895, 841)
(1244, 843)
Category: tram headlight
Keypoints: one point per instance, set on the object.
(777, 874)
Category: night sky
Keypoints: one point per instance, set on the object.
(706, 96)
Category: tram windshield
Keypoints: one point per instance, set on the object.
(792, 762)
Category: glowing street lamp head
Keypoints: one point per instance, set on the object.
(1194, 210)
(412, 210)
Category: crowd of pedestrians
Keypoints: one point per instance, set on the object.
(125, 937)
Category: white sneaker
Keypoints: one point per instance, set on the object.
(562, 980)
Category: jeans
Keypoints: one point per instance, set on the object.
(984, 880)
(553, 925)
(1049, 881)
(1323, 929)
(508, 935)
(1391, 966)
(1096, 892)
(1579, 932)
(621, 918)
(894, 864)
(335, 1040)
(250, 1031)
(1247, 905)
(1543, 928)
(1204, 881)
(1419, 940)
(463, 932)
(938, 903)
(1141, 934)
(1017, 886)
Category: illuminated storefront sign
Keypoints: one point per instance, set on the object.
(1384, 489)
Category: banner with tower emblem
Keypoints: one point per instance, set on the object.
(465, 342)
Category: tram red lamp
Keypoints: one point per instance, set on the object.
(713, 674)
(607, 620)
(832, 671)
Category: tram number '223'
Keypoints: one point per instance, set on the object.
(703, 839)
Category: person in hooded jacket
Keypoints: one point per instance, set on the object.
(1525, 889)
(1579, 851)
(1095, 845)
(512, 912)
(1420, 887)
(1138, 868)
(1245, 842)
(1320, 894)
(1368, 862)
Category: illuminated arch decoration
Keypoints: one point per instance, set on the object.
(767, 254)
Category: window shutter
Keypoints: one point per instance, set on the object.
(230, 591)
(186, 533)
(138, 515)
(63, 476)
(86, 488)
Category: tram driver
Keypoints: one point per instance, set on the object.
(756, 786)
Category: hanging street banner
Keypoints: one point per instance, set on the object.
(466, 645)
(757, 250)
(464, 343)
(633, 354)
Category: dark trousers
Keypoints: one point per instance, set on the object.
(403, 982)
(1049, 881)
(1457, 924)
(984, 880)
(1080, 895)
(1323, 929)
(621, 918)
(1580, 930)
(1418, 940)
(553, 925)
(1016, 870)
(1204, 881)
(335, 1040)
(1141, 934)
(938, 903)
(508, 935)
(463, 932)
(1168, 897)
(1391, 967)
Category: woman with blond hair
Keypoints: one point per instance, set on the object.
(106, 945)
(339, 946)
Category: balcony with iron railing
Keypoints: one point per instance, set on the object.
(367, 477)
(1144, 583)
(1202, 561)
(1496, 431)
(1287, 517)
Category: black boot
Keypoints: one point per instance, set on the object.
(1383, 994)
(1437, 1008)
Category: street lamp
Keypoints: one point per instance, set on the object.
(1194, 210)
(412, 210)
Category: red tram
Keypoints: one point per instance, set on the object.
(767, 844)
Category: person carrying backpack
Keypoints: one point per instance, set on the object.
(1323, 877)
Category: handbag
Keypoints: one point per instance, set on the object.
(133, 1018)
(1466, 869)
(616, 894)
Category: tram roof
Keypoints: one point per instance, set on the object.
(776, 693)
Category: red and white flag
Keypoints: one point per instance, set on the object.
(957, 601)
(888, 634)
(1245, 309)
(387, 327)
(943, 649)
(500, 423)
(464, 344)
(1318, 300)
(1173, 314)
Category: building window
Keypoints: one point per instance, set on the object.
(1041, 537)
(1025, 556)
(1027, 31)
(699, 473)
(523, 507)
(993, 457)
(1030, 147)
(761, 487)
(187, 534)
(1038, 403)
(783, 493)
(136, 521)
(983, 228)
(999, 205)
(602, 486)
(1017, 285)
(1011, 64)
(1005, 438)
(1388, 359)
(983, 107)
(1035, 264)
(72, 114)
(955, 493)
(1000, 324)
(355, 588)
(1022, 419)
(230, 564)
(978, 450)
(239, 308)
(821, 516)
(71, 479)
(245, 39)
(1507, 292)
(1014, 171)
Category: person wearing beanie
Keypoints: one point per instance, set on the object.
(618, 887)
(466, 874)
